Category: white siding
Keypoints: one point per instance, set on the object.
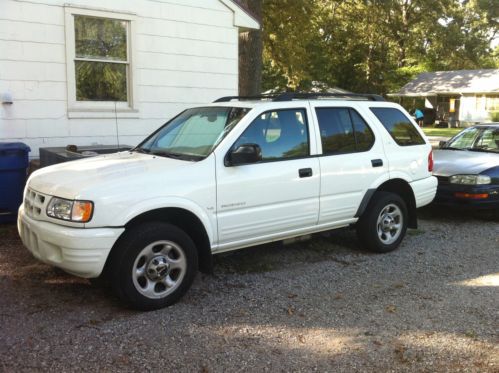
(471, 110)
(186, 54)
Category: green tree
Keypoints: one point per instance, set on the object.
(373, 45)
(250, 54)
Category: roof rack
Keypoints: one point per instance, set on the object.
(248, 98)
(290, 96)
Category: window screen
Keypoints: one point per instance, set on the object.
(399, 126)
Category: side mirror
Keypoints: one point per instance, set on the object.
(244, 154)
(442, 144)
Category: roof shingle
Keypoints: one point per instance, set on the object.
(452, 82)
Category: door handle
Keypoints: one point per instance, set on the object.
(305, 172)
(377, 162)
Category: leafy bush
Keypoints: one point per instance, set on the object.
(494, 116)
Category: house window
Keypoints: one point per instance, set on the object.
(101, 59)
(99, 62)
(479, 103)
(492, 103)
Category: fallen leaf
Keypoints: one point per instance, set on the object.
(391, 308)
(470, 334)
(400, 353)
(301, 338)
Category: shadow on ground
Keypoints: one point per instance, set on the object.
(318, 304)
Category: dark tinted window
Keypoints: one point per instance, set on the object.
(363, 134)
(280, 134)
(343, 131)
(399, 126)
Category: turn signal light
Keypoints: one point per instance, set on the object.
(82, 211)
(471, 195)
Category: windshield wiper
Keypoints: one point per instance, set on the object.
(162, 153)
(452, 148)
(485, 150)
(141, 150)
(184, 157)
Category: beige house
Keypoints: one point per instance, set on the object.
(459, 97)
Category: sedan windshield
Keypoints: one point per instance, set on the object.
(193, 134)
(482, 139)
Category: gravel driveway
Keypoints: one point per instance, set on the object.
(321, 304)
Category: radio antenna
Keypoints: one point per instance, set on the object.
(116, 124)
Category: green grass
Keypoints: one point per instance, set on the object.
(415, 232)
(444, 132)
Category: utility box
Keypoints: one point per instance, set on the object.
(54, 155)
(14, 162)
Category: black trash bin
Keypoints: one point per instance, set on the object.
(14, 163)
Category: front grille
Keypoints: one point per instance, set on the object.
(34, 203)
(443, 180)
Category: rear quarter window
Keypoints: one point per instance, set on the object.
(398, 126)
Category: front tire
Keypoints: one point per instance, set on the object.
(384, 223)
(153, 265)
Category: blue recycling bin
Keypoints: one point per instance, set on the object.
(14, 162)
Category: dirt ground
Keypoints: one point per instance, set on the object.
(317, 305)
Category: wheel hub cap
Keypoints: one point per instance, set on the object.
(158, 268)
(390, 224)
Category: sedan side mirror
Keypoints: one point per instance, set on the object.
(244, 154)
(442, 144)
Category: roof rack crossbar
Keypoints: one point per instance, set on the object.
(297, 95)
(246, 98)
(290, 96)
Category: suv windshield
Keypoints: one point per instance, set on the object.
(193, 134)
(485, 139)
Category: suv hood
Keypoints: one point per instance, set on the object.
(454, 162)
(77, 179)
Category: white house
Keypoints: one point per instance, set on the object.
(79, 72)
(462, 96)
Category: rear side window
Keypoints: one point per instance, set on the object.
(343, 131)
(399, 126)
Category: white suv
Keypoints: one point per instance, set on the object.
(232, 174)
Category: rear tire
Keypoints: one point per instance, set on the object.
(153, 265)
(384, 223)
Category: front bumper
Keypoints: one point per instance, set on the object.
(79, 251)
(446, 195)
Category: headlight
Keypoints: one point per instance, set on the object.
(470, 179)
(65, 209)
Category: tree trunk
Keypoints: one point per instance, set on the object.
(250, 54)
(403, 33)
